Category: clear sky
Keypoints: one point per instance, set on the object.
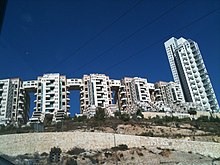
(116, 37)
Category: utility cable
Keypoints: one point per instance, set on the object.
(130, 36)
(98, 34)
(162, 39)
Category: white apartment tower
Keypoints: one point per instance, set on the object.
(14, 102)
(95, 92)
(52, 97)
(189, 71)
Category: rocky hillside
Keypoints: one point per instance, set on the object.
(117, 155)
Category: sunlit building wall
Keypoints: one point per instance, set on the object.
(189, 71)
(14, 102)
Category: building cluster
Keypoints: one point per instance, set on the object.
(191, 90)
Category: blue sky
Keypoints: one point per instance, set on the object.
(116, 37)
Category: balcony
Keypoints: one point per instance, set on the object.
(49, 107)
(51, 100)
(101, 98)
(51, 92)
(20, 116)
(47, 88)
(47, 103)
(50, 85)
(122, 92)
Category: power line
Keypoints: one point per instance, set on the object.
(98, 34)
(130, 36)
(162, 39)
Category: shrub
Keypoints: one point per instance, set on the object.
(44, 154)
(108, 154)
(121, 147)
(149, 133)
(100, 114)
(203, 119)
(140, 154)
(125, 117)
(80, 118)
(71, 162)
(165, 153)
(75, 151)
(139, 113)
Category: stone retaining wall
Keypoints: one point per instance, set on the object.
(16, 144)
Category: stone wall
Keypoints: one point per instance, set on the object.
(180, 115)
(16, 144)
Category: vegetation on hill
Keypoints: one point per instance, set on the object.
(101, 121)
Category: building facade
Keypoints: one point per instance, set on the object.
(174, 93)
(133, 94)
(160, 91)
(189, 71)
(14, 102)
(52, 97)
(95, 92)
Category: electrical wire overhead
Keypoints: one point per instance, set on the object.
(98, 34)
(160, 40)
(129, 36)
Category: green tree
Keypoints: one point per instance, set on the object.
(139, 113)
(100, 114)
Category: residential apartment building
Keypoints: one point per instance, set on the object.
(189, 71)
(95, 92)
(52, 97)
(174, 93)
(160, 91)
(167, 95)
(6, 101)
(133, 94)
(14, 102)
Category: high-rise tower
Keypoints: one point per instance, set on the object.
(189, 71)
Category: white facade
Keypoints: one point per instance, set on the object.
(14, 102)
(95, 92)
(189, 71)
(6, 98)
(52, 97)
